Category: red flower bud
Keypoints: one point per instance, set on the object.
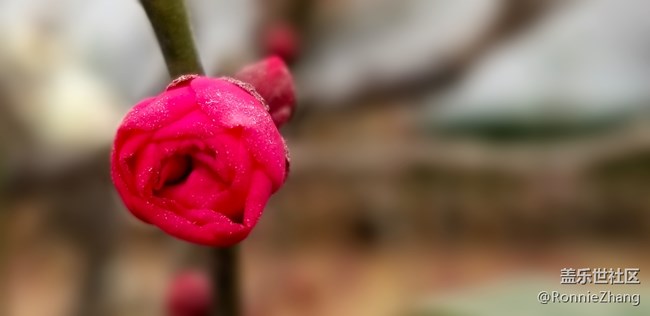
(190, 294)
(272, 80)
(200, 160)
(282, 39)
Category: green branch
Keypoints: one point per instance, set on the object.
(170, 23)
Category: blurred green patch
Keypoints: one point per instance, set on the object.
(519, 297)
(515, 130)
(537, 122)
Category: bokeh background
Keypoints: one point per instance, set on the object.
(448, 157)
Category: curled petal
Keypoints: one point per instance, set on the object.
(264, 142)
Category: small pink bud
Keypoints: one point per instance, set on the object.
(272, 80)
(282, 39)
(189, 295)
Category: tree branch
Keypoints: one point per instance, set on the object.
(170, 23)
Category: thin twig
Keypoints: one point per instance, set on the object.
(170, 23)
(172, 28)
(225, 281)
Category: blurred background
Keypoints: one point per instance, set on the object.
(448, 157)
